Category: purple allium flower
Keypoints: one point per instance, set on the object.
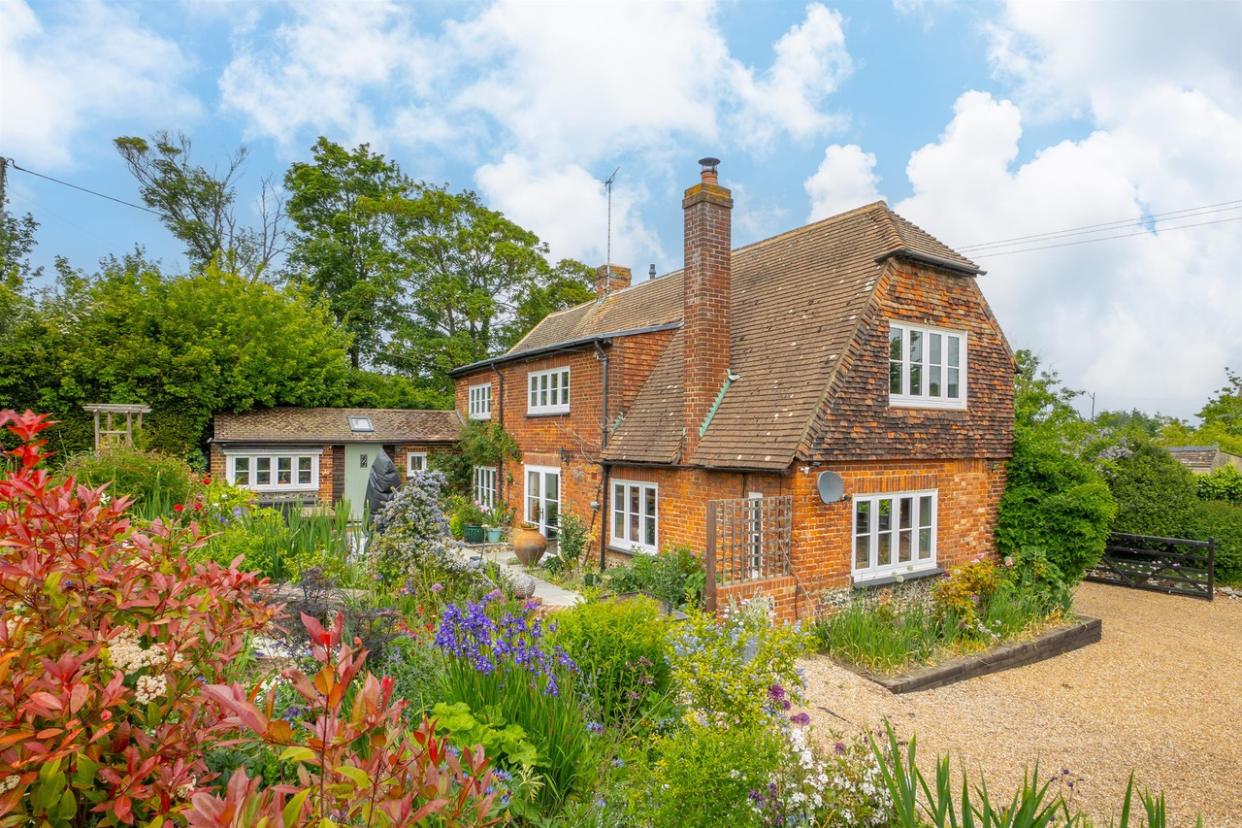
(800, 719)
(839, 748)
(776, 692)
(595, 727)
(437, 587)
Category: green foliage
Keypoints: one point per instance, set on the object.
(1224, 483)
(284, 545)
(968, 588)
(620, 647)
(197, 205)
(704, 775)
(572, 539)
(504, 742)
(480, 443)
(675, 577)
(1222, 522)
(880, 636)
(339, 246)
(154, 481)
(725, 671)
(1053, 499)
(1154, 492)
(1220, 420)
(1037, 577)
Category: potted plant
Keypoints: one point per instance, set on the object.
(497, 519)
(529, 544)
(472, 523)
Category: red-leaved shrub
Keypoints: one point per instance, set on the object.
(109, 639)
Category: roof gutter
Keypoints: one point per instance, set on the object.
(928, 259)
(596, 339)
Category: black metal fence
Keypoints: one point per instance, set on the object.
(1177, 566)
(749, 538)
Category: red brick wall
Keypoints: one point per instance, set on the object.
(860, 424)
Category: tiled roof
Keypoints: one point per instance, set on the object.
(1195, 457)
(331, 425)
(796, 301)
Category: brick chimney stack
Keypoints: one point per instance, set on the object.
(707, 209)
(620, 279)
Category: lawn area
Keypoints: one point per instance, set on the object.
(1160, 694)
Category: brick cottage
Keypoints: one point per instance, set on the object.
(828, 408)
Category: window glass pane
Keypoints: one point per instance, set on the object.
(635, 494)
(551, 510)
(565, 389)
(894, 343)
(907, 512)
(894, 356)
(952, 391)
(884, 526)
(263, 471)
(955, 343)
(618, 512)
(884, 514)
(862, 517)
(883, 549)
(552, 485)
(304, 470)
(862, 551)
(933, 381)
(241, 471)
(284, 470)
(925, 511)
(933, 348)
(925, 544)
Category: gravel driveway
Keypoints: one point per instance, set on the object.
(1161, 693)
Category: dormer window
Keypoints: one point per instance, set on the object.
(548, 391)
(926, 367)
(360, 425)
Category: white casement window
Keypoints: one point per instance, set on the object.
(926, 367)
(543, 499)
(271, 471)
(635, 518)
(479, 404)
(548, 391)
(485, 486)
(894, 534)
(415, 461)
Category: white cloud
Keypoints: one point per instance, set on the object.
(1147, 321)
(568, 206)
(845, 179)
(97, 66)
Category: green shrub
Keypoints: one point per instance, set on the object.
(1223, 484)
(1039, 578)
(283, 545)
(620, 647)
(878, 636)
(676, 577)
(704, 775)
(1056, 502)
(732, 672)
(572, 539)
(1222, 522)
(502, 742)
(153, 480)
(965, 592)
(1155, 494)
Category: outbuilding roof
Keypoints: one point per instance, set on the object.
(337, 425)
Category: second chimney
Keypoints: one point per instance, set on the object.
(607, 282)
(707, 209)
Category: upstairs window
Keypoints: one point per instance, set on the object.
(926, 367)
(548, 391)
(479, 405)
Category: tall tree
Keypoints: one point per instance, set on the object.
(198, 205)
(339, 246)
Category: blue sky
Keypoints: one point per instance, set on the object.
(979, 121)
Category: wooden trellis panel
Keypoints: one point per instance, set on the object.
(749, 539)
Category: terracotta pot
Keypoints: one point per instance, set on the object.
(529, 546)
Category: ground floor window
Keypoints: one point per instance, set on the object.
(543, 499)
(635, 521)
(894, 533)
(415, 461)
(485, 486)
(274, 472)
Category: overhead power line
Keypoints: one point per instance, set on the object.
(15, 166)
(986, 254)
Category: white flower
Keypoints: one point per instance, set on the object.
(150, 688)
(9, 783)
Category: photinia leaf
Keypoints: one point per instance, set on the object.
(297, 753)
(293, 809)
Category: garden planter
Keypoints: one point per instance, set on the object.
(529, 546)
(495, 534)
(473, 533)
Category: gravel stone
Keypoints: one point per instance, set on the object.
(1161, 693)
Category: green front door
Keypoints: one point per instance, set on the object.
(358, 458)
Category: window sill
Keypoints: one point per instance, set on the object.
(926, 402)
(530, 413)
(890, 578)
(632, 549)
(480, 417)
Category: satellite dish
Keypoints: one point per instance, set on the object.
(831, 487)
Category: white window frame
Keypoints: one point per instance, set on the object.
(547, 392)
(479, 401)
(410, 457)
(623, 541)
(754, 529)
(484, 486)
(273, 456)
(874, 570)
(539, 521)
(921, 398)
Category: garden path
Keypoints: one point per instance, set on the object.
(1161, 693)
(551, 595)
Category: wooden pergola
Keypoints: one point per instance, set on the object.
(107, 432)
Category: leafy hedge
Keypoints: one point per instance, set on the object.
(1155, 494)
(1222, 522)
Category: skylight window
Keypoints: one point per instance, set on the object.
(360, 424)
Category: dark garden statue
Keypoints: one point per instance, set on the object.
(381, 484)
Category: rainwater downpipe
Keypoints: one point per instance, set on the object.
(500, 415)
(605, 469)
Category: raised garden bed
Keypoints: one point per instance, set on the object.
(1054, 642)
